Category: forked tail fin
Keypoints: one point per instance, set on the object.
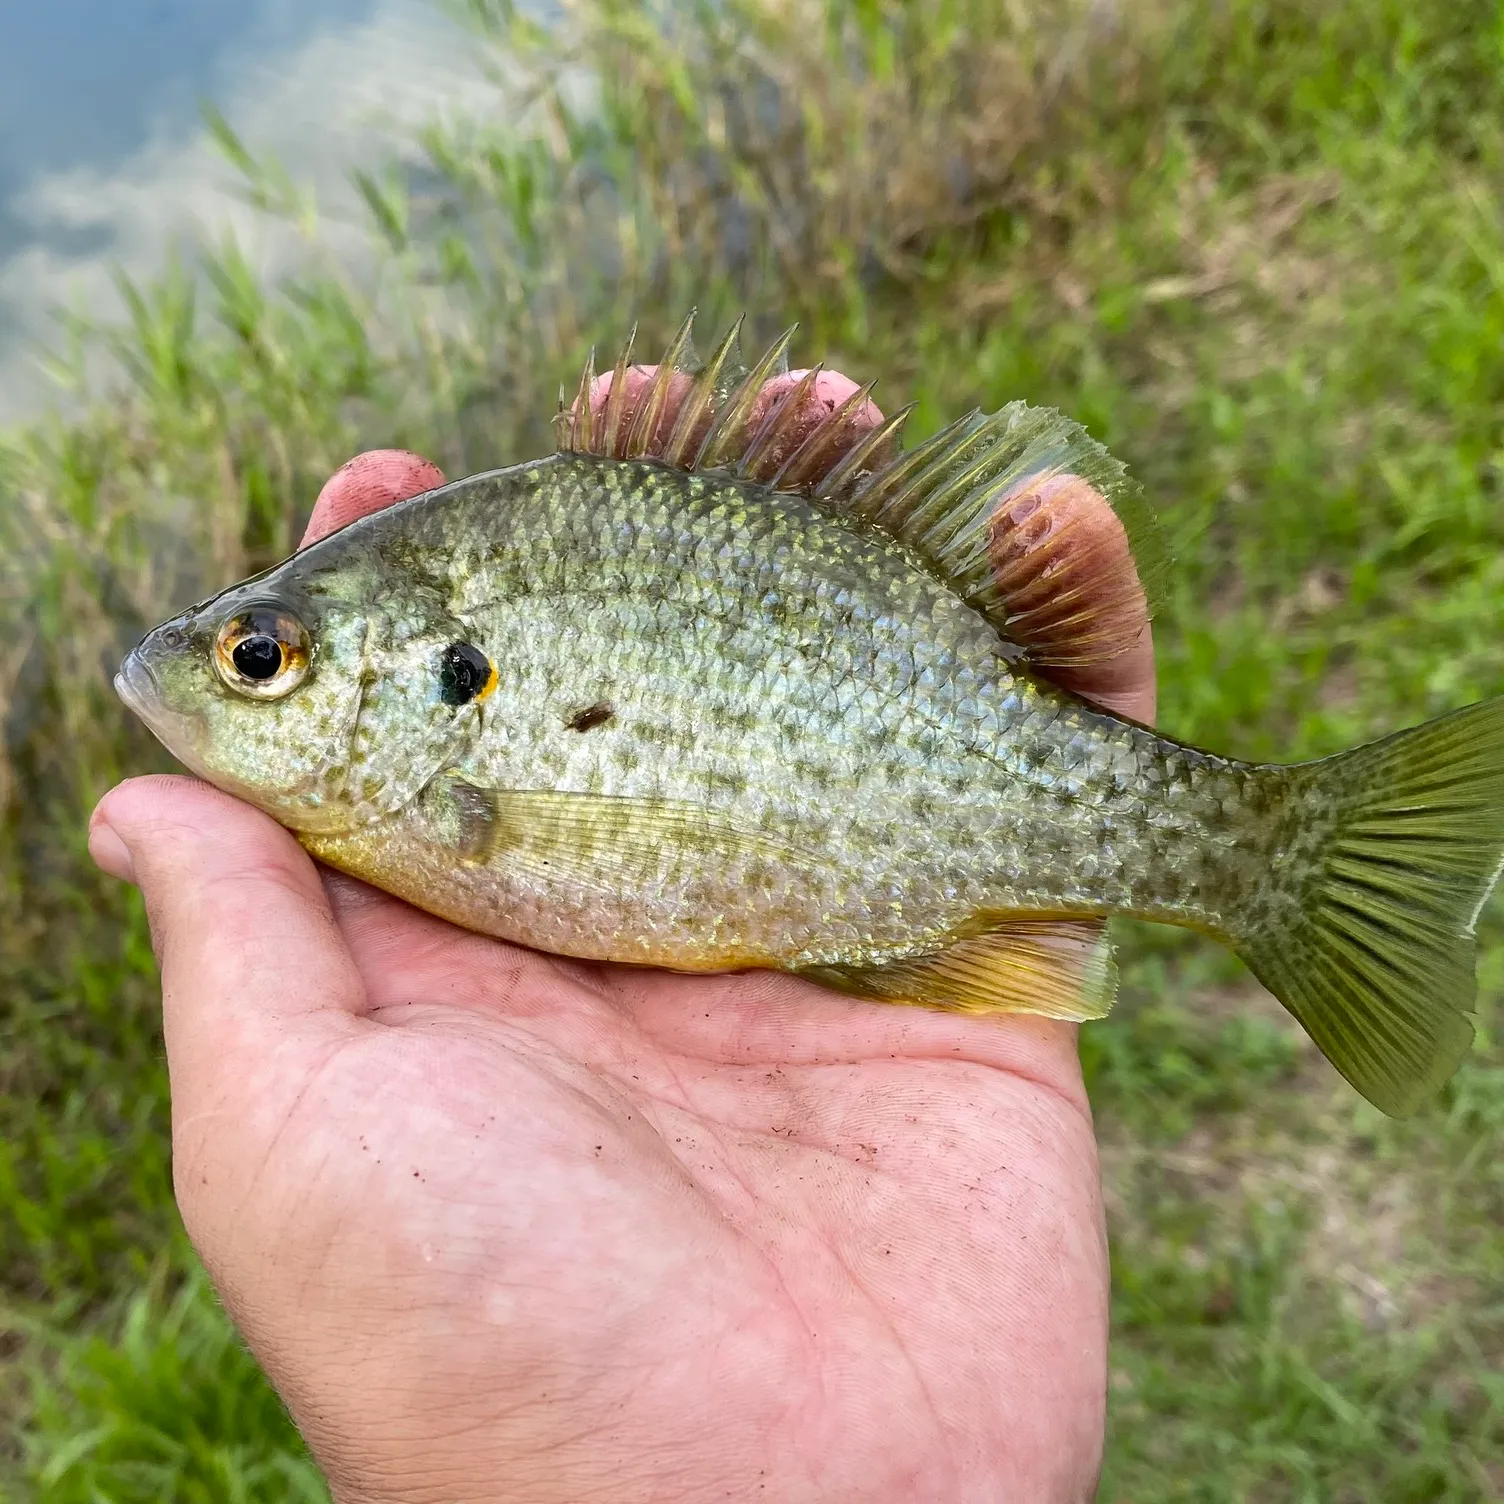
(1370, 943)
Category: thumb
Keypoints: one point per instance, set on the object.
(251, 958)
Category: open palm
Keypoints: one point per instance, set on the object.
(504, 1226)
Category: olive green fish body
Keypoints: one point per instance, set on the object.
(698, 712)
(881, 768)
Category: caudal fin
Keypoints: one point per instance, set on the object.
(1371, 944)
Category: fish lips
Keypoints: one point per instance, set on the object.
(137, 685)
(140, 690)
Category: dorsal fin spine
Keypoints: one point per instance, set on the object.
(870, 499)
(717, 445)
(775, 427)
(650, 408)
(928, 520)
(855, 461)
(616, 400)
(700, 401)
(575, 425)
(822, 444)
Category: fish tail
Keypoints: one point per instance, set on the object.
(1367, 934)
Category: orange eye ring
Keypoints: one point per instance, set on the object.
(262, 652)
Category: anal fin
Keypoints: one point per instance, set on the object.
(1053, 968)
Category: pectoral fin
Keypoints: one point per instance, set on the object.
(599, 841)
(1053, 968)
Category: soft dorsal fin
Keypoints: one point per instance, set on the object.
(972, 501)
(1053, 968)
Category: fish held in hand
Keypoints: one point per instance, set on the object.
(716, 686)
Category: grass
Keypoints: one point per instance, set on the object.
(1258, 248)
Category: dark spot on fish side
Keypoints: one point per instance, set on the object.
(590, 718)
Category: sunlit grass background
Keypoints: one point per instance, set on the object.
(1256, 246)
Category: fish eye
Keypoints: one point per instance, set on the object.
(465, 674)
(262, 653)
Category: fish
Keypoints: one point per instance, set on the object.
(712, 688)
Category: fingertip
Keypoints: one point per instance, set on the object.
(1124, 684)
(829, 390)
(108, 852)
(1072, 592)
(217, 874)
(636, 379)
(367, 483)
(637, 383)
(109, 849)
(134, 802)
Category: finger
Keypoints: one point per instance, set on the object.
(636, 381)
(825, 394)
(828, 391)
(249, 951)
(1073, 593)
(367, 483)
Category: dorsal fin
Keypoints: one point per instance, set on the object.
(974, 501)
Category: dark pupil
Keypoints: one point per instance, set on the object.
(463, 672)
(258, 657)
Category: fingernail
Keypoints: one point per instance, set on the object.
(110, 853)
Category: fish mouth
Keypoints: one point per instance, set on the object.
(139, 689)
(137, 686)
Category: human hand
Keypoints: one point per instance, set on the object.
(502, 1226)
